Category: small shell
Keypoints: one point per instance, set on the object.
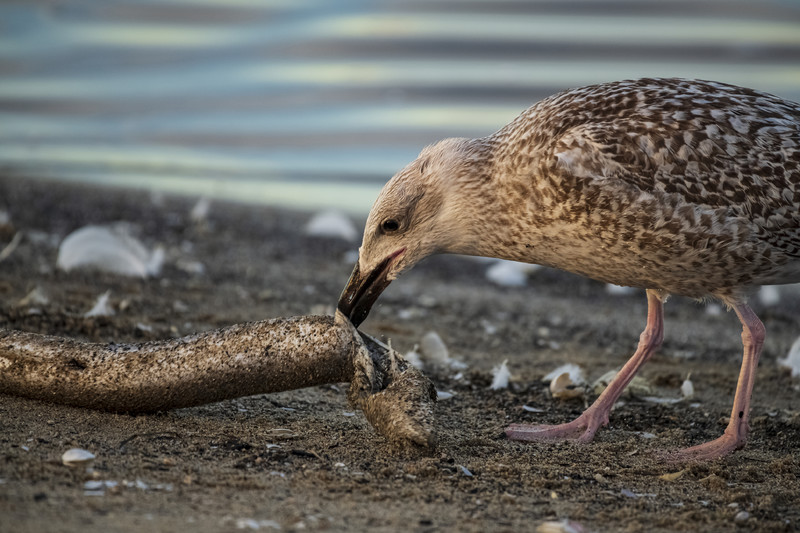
(111, 248)
(78, 457)
(638, 387)
(510, 273)
(563, 388)
(564, 526)
(331, 224)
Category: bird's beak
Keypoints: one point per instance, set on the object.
(364, 288)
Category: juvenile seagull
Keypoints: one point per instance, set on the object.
(675, 186)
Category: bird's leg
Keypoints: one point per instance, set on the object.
(585, 426)
(735, 435)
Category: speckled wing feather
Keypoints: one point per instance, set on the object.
(709, 169)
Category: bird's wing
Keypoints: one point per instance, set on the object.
(710, 169)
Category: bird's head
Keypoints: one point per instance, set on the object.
(415, 215)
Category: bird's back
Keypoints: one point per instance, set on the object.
(663, 173)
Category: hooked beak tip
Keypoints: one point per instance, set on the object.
(363, 289)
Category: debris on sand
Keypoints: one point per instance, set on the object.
(566, 382)
(500, 376)
(687, 388)
(199, 213)
(109, 248)
(792, 360)
(35, 297)
(244, 359)
(101, 306)
(563, 388)
(331, 224)
(6, 252)
(575, 374)
(434, 352)
(562, 526)
(78, 457)
(639, 387)
(510, 273)
(619, 290)
(769, 295)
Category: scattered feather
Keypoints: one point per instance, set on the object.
(500, 376)
(101, 306)
(792, 360)
(10, 247)
(574, 371)
(530, 409)
(488, 327)
(111, 248)
(444, 395)
(465, 471)
(37, 296)
(769, 295)
(510, 273)
(331, 224)
(672, 476)
(659, 400)
(250, 523)
(199, 213)
(687, 388)
(413, 358)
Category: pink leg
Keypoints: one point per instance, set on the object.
(585, 426)
(735, 435)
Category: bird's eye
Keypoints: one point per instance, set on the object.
(390, 225)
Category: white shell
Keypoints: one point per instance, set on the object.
(433, 349)
(110, 248)
(638, 387)
(563, 388)
(510, 273)
(77, 457)
(331, 224)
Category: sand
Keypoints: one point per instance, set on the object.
(303, 460)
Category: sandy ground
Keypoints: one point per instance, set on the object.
(303, 460)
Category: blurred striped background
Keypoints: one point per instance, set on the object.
(312, 103)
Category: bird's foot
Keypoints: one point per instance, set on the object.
(582, 429)
(708, 451)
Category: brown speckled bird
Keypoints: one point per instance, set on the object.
(675, 186)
